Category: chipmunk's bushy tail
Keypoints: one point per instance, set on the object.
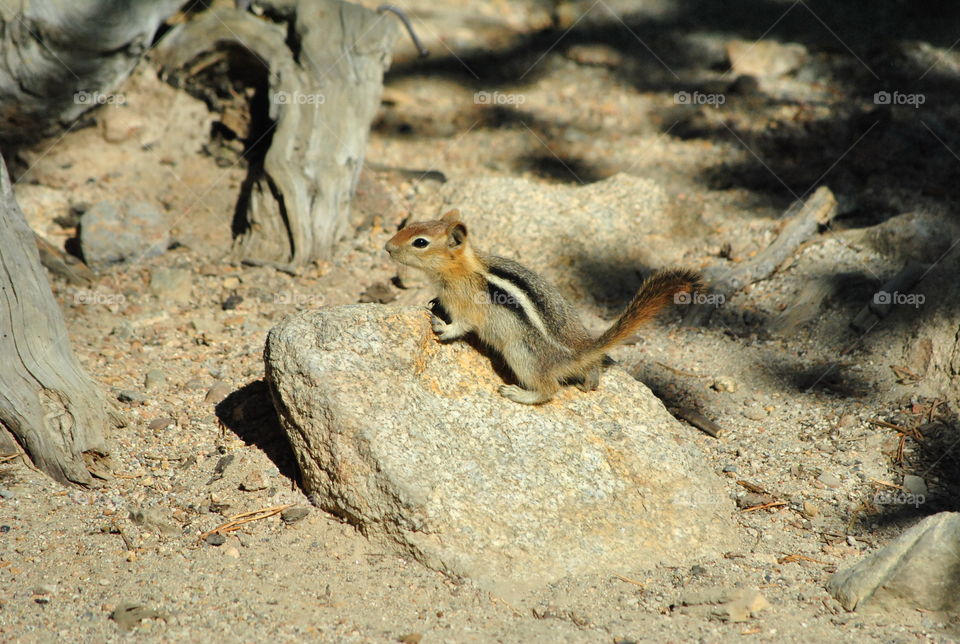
(656, 293)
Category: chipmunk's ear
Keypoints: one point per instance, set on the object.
(451, 216)
(457, 235)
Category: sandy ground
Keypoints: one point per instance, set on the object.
(201, 444)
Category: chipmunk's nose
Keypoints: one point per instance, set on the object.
(390, 247)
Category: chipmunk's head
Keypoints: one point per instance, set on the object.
(433, 246)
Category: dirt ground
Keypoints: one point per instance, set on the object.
(561, 95)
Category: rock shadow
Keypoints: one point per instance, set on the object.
(249, 413)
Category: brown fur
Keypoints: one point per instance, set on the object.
(540, 363)
(657, 292)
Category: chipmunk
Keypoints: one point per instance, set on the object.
(517, 313)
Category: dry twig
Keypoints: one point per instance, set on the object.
(238, 520)
(629, 581)
(793, 558)
(679, 372)
(765, 506)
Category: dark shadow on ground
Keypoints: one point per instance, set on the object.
(249, 413)
(861, 148)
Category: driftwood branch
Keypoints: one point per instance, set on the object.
(59, 57)
(803, 220)
(47, 402)
(322, 99)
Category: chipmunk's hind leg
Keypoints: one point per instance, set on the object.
(536, 390)
(538, 382)
(528, 396)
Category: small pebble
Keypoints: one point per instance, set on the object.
(217, 392)
(216, 539)
(154, 379)
(410, 638)
(725, 384)
(292, 515)
(597, 55)
(914, 485)
(161, 423)
(830, 480)
(231, 551)
(231, 302)
(845, 420)
(253, 482)
(131, 397)
(810, 509)
(219, 508)
(123, 331)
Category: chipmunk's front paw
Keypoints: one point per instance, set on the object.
(446, 332)
(523, 396)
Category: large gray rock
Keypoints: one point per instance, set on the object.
(409, 439)
(124, 232)
(920, 570)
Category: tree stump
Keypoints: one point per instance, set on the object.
(325, 76)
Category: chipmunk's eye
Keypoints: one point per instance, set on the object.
(421, 242)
